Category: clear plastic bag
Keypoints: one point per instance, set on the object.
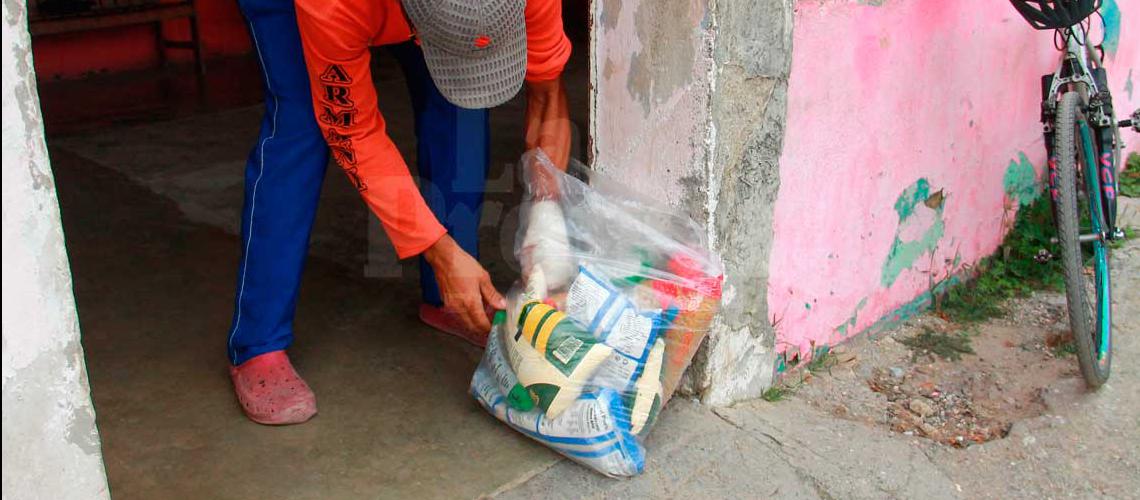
(616, 295)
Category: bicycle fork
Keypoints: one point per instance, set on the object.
(1104, 132)
(1105, 137)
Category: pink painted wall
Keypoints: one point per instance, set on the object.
(880, 97)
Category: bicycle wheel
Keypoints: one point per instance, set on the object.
(1078, 210)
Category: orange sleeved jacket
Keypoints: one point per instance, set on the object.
(336, 36)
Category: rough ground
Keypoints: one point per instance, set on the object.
(1028, 428)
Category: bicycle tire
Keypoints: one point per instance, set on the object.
(1086, 320)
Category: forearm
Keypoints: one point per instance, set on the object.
(442, 252)
(548, 120)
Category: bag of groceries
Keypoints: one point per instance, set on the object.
(616, 295)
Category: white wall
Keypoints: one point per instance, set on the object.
(51, 447)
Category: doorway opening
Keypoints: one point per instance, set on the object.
(149, 165)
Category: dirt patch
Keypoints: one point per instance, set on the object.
(909, 381)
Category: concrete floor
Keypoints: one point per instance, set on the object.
(150, 214)
(154, 293)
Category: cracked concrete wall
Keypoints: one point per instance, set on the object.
(912, 138)
(51, 445)
(688, 104)
(753, 58)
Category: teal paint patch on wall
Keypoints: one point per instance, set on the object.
(786, 362)
(916, 306)
(849, 325)
(904, 253)
(910, 198)
(1021, 180)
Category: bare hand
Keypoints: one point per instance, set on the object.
(464, 285)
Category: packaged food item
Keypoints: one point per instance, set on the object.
(556, 356)
(697, 297)
(611, 316)
(616, 321)
(531, 289)
(615, 296)
(592, 431)
(647, 391)
(545, 244)
(499, 368)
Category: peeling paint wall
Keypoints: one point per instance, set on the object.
(51, 446)
(650, 64)
(752, 57)
(912, 137)
(688, 106)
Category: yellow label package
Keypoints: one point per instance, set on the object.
(553, 356)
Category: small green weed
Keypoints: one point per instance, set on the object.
(1026, 261)
(821, 361)
(1066, 349)
(1129, 180)
(941, 344)
(775, 393)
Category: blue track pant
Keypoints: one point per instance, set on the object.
(286, 167)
